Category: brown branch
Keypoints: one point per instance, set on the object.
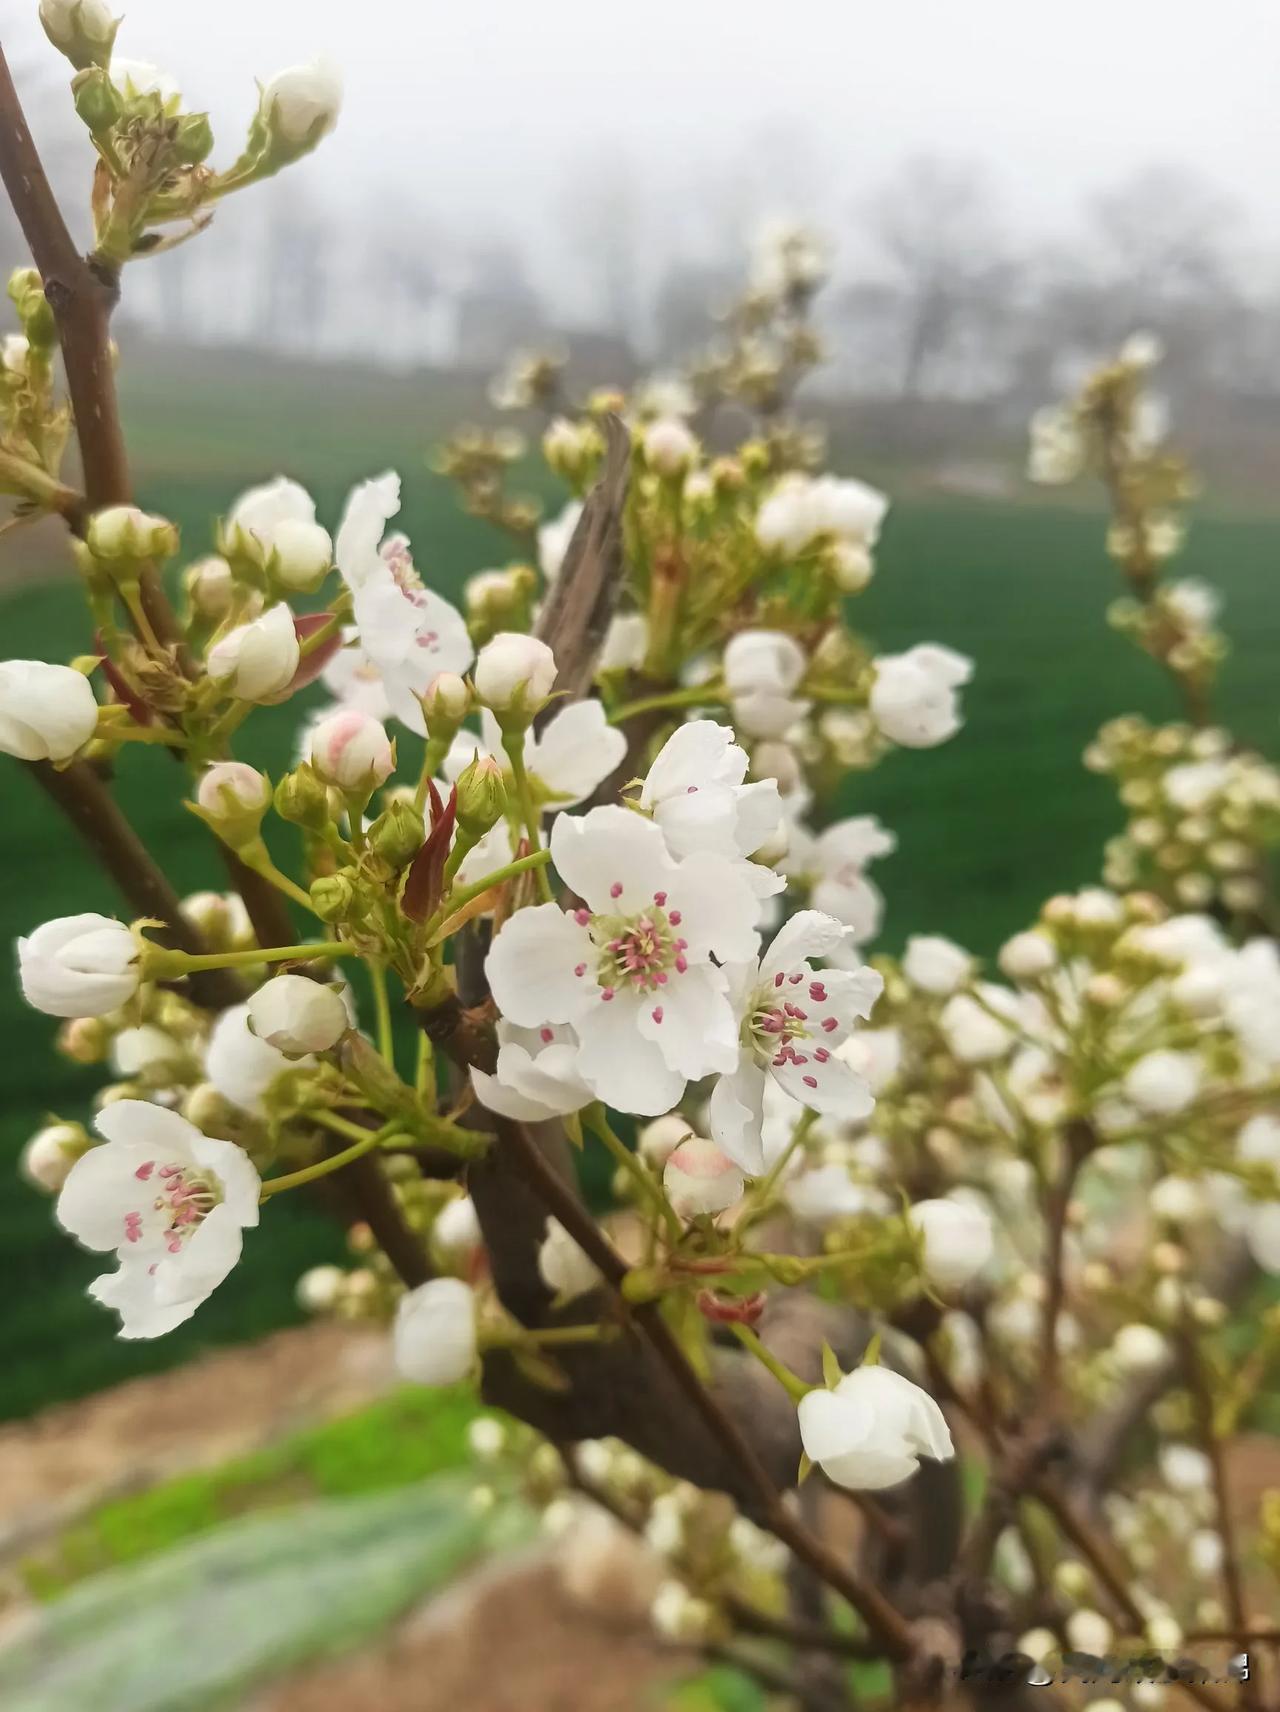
(82, 293)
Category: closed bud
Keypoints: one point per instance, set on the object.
(124, 532)
(83, 30)
(297, 1015)
(573, 449)
(84, 1040)
(700, 1179)
(233, 798)
(352, 751)
(211, 1111)
(445, 705)
(299, 107)
(302, 799)
(47, 712)
(192, 138)
(669, 447)
(482, 796)
(498, 601)
(398, 834)
(319, 1289)
(257, 661)
(514, 675)
(48, 1157)
(26, 289)
(332, 897)
(210, 587)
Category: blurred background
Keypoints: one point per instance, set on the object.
(1007, 192)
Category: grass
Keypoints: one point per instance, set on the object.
(988, 826)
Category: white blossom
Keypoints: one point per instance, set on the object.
(957, 1240)
(657, 1141)
(762, 668)
(514, 670)
(352, 678)
(434, 1336)
(1027, 956)
(297, 1015)
(303, 102)
(230, 787)
(825, 1193)
(536, 1076)
(563, 1266)
(1163, 1082)
(554, 538)
(170, 1202)
(792, 1019)
(410, 633)
(257, 661)
(625, 644)
(79, 965)
(913, 698)
(573, 754)
(1139, 1348)
(457, 1228)
(872, 1429)
(632, 970)
(241, 1066)
(699, 1178)
(48, 1156)
(275, 524)
(46, 712)
(695, 792)
(971, 1031)
(351, 750)
(833, 864)
(936, 965)
(144, 1051)
(669, 446)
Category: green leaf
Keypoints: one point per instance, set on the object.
(831, 1374)
(805, 1469)
(871, 1355)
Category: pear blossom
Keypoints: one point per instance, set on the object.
(695, 792)
(78, 28)
(871, 1430)
(536, 1075)
(833, 864)
(134, 77)
(303, 102)
(800, 509)
(297, 1015)
(876, 1055)
(631, 970)
(410, 633)
(762, 668)
(352, 678)
(1027, 956)
(669, 446)
(79, 966)
(701, 1179)
(47, 1158)
(457, 1228)
(351, 750)
(554, 538)
(575, 751)
(275, 524)
(563, 1266)
(1163, 1082)
(514, 671)
(956, 1238)
(1139, 1348)
(241, 1066)
(257, 661)
(971, 1031)
(319, 1289)
(434, 1335)
(170, 1202)
(231, 788)
(792, 1020)
(144, 1051)
(913, 698)
(936, 965)
(46, 712)
(625, 643)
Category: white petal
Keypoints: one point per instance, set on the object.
(611, 857)
(577, 751)
(692, 1022)
(808, 934)
(621, 1068)
(831, 1425)
(368, 509)
(494, 1096)
(207, 1256)
(826, 1085)
(736, 1116)
(719, 908)
(131, 1292)
(699, 754)
(533, 962)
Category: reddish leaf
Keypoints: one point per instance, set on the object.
(311, 665)
(122, 688)
(424, 884)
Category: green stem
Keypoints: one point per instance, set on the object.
(382, 1009)
(424, 1081)
(769, 1182)
(650, 1191)
(458, 900)
(793, 1386)
(697, 695)
(548, 1337)
(369, 1139)
(162, 965)
(436, 750)
(257, 859)
(513, 743)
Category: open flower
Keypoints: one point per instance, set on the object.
(872, 1429)
(695, 792)
(792, 1019)
(79, 965)
(761, 670)
(575, 751)
(434, 1337)
(170, 1202)
(409, 632)
(913, 699)
(353, 679)
(46, 712)
(536, 1076)
(833, 863)
(632, 970)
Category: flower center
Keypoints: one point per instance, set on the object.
(184, 1197)
(637, 952)
(780, 1026)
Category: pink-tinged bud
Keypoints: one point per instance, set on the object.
(515, 673)
(699, 1179)
(351, 750)
(48, 1157)
(658, 1140)
(233, 786)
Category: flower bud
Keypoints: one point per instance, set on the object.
(46, 712)
(482, 796)
(398, 834)
(332, 897)
(146, 1053)
(221, 920)
(233, 797)
(352, 751)
(699, 1178)
(498, 601)
(514, 674)
(445, 705)
(79, 965)
(26, 289)
(257, 661)
(319, 1288)
(83, 30)
(573, 449)
(456, 1231)
(434, 1337)
(301, 554)
(669, 447)
(297, 1015)
(193, 138)
(658, 1140)
(300, 106)
(84, 1040)
(562, 1264)
(956, 1240)
(51, 1152)
(123, 532)
(1027, 956)
(1139, 1348)
(302, 799)
(210, 587)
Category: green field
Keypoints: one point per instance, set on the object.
(987, 826)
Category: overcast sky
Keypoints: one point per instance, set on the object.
(482, 106)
